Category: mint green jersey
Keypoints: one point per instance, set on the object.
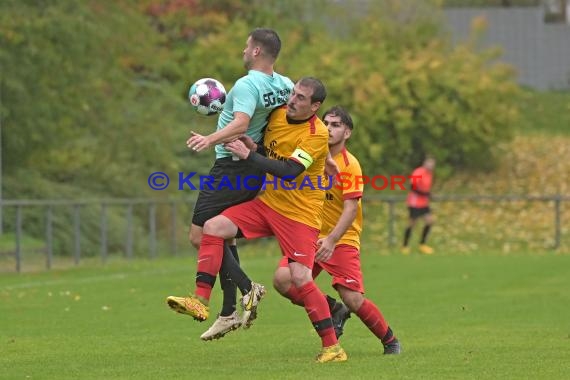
(256, 94)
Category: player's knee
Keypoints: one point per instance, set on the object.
(195, 239)
(300, 279)
(352, 299)
(219, 226)
(282, 280)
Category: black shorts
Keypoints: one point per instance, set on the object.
(417, 212)
(245, 180)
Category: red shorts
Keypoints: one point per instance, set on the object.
(255, 219)
(343, 266)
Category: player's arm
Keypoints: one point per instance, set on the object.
(349, 211)
(286, 169)
(419, 192)
(327, 244)
(235, 128)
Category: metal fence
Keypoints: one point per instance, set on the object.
(174, 229)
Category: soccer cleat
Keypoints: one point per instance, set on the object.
(339, 315)
(331, 354)
(191, 306)
(426, 249)
(222, 326)
(405, 250)
(392, 348)
(249, 304)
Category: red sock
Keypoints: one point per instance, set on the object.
(318, 310)
(209, 262)
(373, 319)
(294, 296)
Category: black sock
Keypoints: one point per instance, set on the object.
(229, 289)
(332, 302)
(230, 265)
(388, 337)
(407, 235)
(425, 233)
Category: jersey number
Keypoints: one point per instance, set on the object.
(269, 99)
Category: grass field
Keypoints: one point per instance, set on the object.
(483, 317)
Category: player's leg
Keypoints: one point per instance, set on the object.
(210, 254)
(428, 220)
(318, 312)
(251, 218)
(228, 319)
(408, 231)
(298, 244)
(371, 316)
(282, 283)
(346, 272)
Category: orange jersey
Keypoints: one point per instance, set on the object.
(349, 168)
(422, 180)
(307, 143)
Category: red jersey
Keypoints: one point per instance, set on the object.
(422, 180)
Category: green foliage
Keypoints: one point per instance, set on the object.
(84, 100)
(94, 93)
(410, 93)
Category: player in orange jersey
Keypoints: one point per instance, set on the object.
(418, 205)
(339, 240)
(296, 149)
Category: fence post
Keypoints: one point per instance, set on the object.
(103, 232)
(557, 222)
(76, 234)
(391, 222)
(49, 237)
(152, 227)
(18, 238)
(129, 245)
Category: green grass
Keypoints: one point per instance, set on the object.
(545, 113)
(8, 242)
(457, 317)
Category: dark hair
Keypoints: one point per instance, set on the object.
(269, 41)
(342, 113)
(319, 91)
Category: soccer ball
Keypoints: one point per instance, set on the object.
(207, 96)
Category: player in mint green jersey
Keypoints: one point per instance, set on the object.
(246, 110)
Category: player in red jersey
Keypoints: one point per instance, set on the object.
(418, 205)
(339, 240)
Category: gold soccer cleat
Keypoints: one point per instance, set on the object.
(332, 354)
(426, 249)
(191, 306)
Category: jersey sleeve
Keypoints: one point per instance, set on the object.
(356, 186)
(417, 182)
(244, 97)
(310, 149)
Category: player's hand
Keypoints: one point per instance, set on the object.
(331, 168)
(325, 249)
(249, 143)
(198, 142)
(238, 148)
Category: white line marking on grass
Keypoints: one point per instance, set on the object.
(87, 280)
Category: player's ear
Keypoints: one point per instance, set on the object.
(315, 106)
(347, 133)
(256, 51)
